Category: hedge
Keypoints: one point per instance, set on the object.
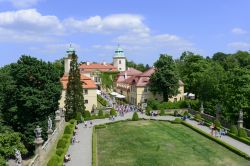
(241, 139)
(63, 144)
(176, 121)
(229, 147)
(94, 147)
(102, 100)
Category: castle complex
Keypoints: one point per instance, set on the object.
(131, 83)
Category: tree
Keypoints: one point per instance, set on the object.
(164, 81)
(74, 101)
(31, 91)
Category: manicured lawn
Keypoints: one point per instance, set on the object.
(153, 143)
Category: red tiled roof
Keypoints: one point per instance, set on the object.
(87, 82)
(96, 66)
(130, 72)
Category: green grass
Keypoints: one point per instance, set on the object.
(155, 143)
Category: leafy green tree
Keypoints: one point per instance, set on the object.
(108, 79)
(31, 91)
(74, 101)
(10, 141)
(165, 80)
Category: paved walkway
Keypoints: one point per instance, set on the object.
(81, 153)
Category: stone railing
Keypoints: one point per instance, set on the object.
(42, 151)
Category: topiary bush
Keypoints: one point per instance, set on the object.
(66, 136)
(176, 121)
(185, 113)
(176, 113)
(135, 117)
(148, 110)
(54, 161)
(100, 113)
(86, 114)
(162, 112)
(61, 143)
(78, 116)
(234, 130)
(68, 129)
(60, 152)
(72, 121)
(113, 112)
(197, 116)
(217, 123)
(242, 133)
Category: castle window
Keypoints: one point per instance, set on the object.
(120, 62)
(86, 101)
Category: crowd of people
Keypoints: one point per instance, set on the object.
(107, 98)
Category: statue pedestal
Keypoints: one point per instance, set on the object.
(49, 132)
(240, 123)
(38, 144)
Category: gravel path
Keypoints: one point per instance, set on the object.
(81, 153)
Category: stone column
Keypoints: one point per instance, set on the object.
(240, 120)
(38, 141)
(58, 119)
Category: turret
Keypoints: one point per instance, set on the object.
(70, 51)
(119, 60)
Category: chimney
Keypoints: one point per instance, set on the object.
(104, 63)
(125, 75)
(87, 63)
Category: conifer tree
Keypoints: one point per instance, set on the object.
(74, 102)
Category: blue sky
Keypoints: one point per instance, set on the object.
(44, 28)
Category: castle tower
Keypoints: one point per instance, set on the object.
(67, 59)
(119, 60)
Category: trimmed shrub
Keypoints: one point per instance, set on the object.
(135, 117)
(61, 143)
(72, 121)
(162, 112)
(78, 116)
(176, 121)
(100, 113)
(100, 126)
(86, 114)
(197, 116)
(66, 136)
(176, 113)
(148, 110)
(113, 112)
(234, 130)
(60, 152)
(54, 161)
(68, 129)
(242, 133)
(185, 113)
(217, 123)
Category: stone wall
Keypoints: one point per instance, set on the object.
(40, 158)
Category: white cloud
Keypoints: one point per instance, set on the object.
(28, 26)
(22, 3)
(239, 31)
(239, 45)
(109, 24)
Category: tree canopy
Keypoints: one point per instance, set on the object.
(165, 80)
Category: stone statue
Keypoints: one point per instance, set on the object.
(38, 132)
(18, 157)
(241, 115)
(49, 124)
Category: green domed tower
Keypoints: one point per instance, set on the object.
(119, 59)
